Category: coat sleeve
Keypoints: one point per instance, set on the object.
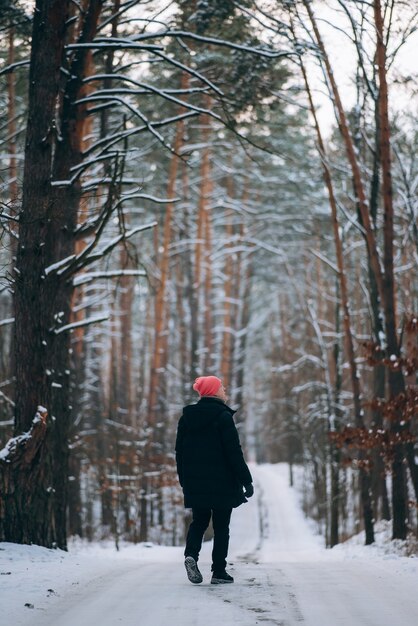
(232, 448)
(179, 449)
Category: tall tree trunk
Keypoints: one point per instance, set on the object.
(159, 351)
(190, 289)
(37, 519)
(351, 155)
(242, 337)
(395, 375)
(206, 241)
(78, 356)
(335, 453)
(61, 241)
(75, 526)
(381, 499)
(184, 353)
(208, 300)
(241, 294)
(46, 235)
(349, 342)
(198, 278)
(125, 396)
(161, 295)
(13, 186)
(384, 280)
(226, 354)
(101, 407)
(11, 131)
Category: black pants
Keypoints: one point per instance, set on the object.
(200, 522)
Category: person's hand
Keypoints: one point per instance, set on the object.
(248, 490)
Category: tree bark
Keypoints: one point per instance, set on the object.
(125, 396)
(46, 235)
(384, 279)
(35, 294)
(243, 316)
(26, 506)
(227, 339)
(357, 179)
(205, 216)
(335, 453)
(395, 376)
(349, 342)
(161, 295)
(11, 130)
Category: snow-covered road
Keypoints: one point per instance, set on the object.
(283, 576)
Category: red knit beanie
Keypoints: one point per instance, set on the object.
(207, 385)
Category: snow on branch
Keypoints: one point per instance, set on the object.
(136, 43)
(87, 322)
(137, 112)
(13, 66)
(106, 142)
(22, 449)
(90, 276)
(55, 267)
(126, 6)
(146, 196)
(265, 246)
(116, 240)
(7, 399)
(306, 358)
(86, 257)
(109, 43)
(309, 385)
(93, 183)
(144, 88)
(191, 71)
(8, 320)
(323, 258)
(6, 423)
(217, 42)
(6, 217)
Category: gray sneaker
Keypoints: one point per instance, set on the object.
(193, 573)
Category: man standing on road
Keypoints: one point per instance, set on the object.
(212, 472)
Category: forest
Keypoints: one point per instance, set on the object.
(196, 187)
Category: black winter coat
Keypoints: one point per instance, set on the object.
(210, 463)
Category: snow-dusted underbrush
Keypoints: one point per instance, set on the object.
(384, 544)
(353, 538)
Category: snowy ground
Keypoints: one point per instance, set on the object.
(283, 576)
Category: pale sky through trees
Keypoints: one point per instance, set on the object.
(334, 27)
